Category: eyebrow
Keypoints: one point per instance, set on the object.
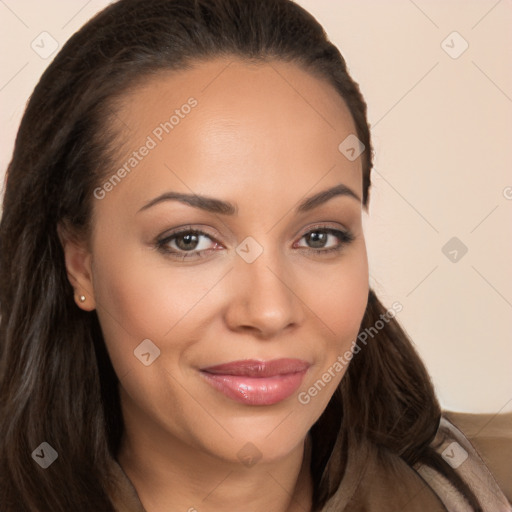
(213, 205)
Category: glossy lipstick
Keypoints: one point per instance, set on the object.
(254, 382)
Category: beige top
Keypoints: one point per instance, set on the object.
(477, 446)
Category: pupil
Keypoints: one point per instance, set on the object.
(317, 236)
(190, 241)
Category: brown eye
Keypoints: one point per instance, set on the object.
(186, 244)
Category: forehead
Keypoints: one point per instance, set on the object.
(225, 124)
(245, 81)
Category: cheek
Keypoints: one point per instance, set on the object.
(342, 302)
(341, 308)
(142, 290)
(137, 300)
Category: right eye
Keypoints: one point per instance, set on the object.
(183, 244)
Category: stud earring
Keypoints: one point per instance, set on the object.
(82, 298)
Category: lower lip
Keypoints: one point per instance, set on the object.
(255, 390)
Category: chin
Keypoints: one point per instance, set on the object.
(262, 440)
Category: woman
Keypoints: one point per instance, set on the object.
(186, 318)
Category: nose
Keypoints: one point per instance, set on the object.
(264, 296)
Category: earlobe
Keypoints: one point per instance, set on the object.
(78, 267)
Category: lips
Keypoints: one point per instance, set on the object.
(254, 382)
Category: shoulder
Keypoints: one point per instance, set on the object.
(491, 437)
(478, 447)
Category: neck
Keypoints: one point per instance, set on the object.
(173, 476)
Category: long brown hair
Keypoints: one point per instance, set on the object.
(56, 380)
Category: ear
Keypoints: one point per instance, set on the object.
(78, 266)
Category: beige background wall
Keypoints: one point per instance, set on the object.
(441, 117)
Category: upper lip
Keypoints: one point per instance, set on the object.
(256, 368)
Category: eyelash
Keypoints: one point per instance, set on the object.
(344, 236)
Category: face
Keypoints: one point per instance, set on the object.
(229, 314)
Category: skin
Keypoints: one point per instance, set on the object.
(264, 137)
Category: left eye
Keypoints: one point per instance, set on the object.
(319, 237)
